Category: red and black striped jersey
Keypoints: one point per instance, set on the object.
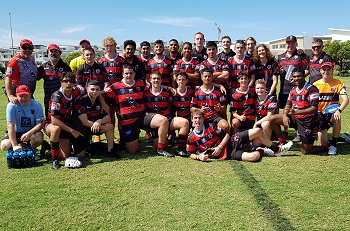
(51, 75)
(144, 60)
(217, 66)
(189, 67)
(139, 68)
(303, 98)
(200, 55)
(61, 106)
(209, 137)
(286, 66)
(114, 67)
(269, 104)
(129, 100)
(85, 73)
(158, 102)
(165, 68)
(235, 68)
(226, 56)
(182, 103)
(315, 65)
(266, 72)
(244, 103)
(174, 60)
(208, 99)
(83, 105)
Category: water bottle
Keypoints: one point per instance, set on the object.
(9, 156)
(23, 158)
(16, 162)
(30, 157)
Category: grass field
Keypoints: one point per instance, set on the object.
(145, 192)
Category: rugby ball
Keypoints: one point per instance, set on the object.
(331, 109)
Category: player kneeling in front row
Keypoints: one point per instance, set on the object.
(300, 112)
(57, 126)
(128, 97)
(89, 118)
(330, 90)
(24, 122)
(158, 100)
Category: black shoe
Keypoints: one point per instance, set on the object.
(55, 164)
(45, 146)
(162, 152)
(113, 154)
(181, 153)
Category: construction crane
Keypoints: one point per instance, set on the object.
(219, 31)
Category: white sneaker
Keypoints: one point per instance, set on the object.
(345, 137)
(287, 146)
(268, 152)
(332, 150)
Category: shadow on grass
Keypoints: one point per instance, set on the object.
(270, 209)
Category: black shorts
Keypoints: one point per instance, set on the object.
(237, 144)
(245, 125)
(154, 131)
(213, 121)
(325, 122)
(132, 131)
(18, 136)
(282, 100)
(307, 128)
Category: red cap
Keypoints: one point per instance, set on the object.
(53, 47)
(85, 41)
(25, 41)
(22, 90)
(328, 64)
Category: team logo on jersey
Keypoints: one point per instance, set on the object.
(98, 108)
(156, 109)
(132, 102)
(268, 67)
(332, 88)
(122, 91)
(25, 122)
(295, 56)
(9, 71)
(200, 97)
(32, 111)
(138, 89)
(321, 60)
(55, 106)
(60, 69)
(98, 71)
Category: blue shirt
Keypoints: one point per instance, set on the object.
(25, 117)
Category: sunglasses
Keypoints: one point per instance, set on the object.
(314, 47)
(27, 48)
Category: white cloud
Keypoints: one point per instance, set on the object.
(73, 29)
(177, 21)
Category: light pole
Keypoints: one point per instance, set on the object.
(13, 51)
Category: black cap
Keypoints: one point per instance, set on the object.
(291, 38)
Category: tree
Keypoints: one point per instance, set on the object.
(71, 56)
(340, 51)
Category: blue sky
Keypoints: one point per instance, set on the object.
(67, 22)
